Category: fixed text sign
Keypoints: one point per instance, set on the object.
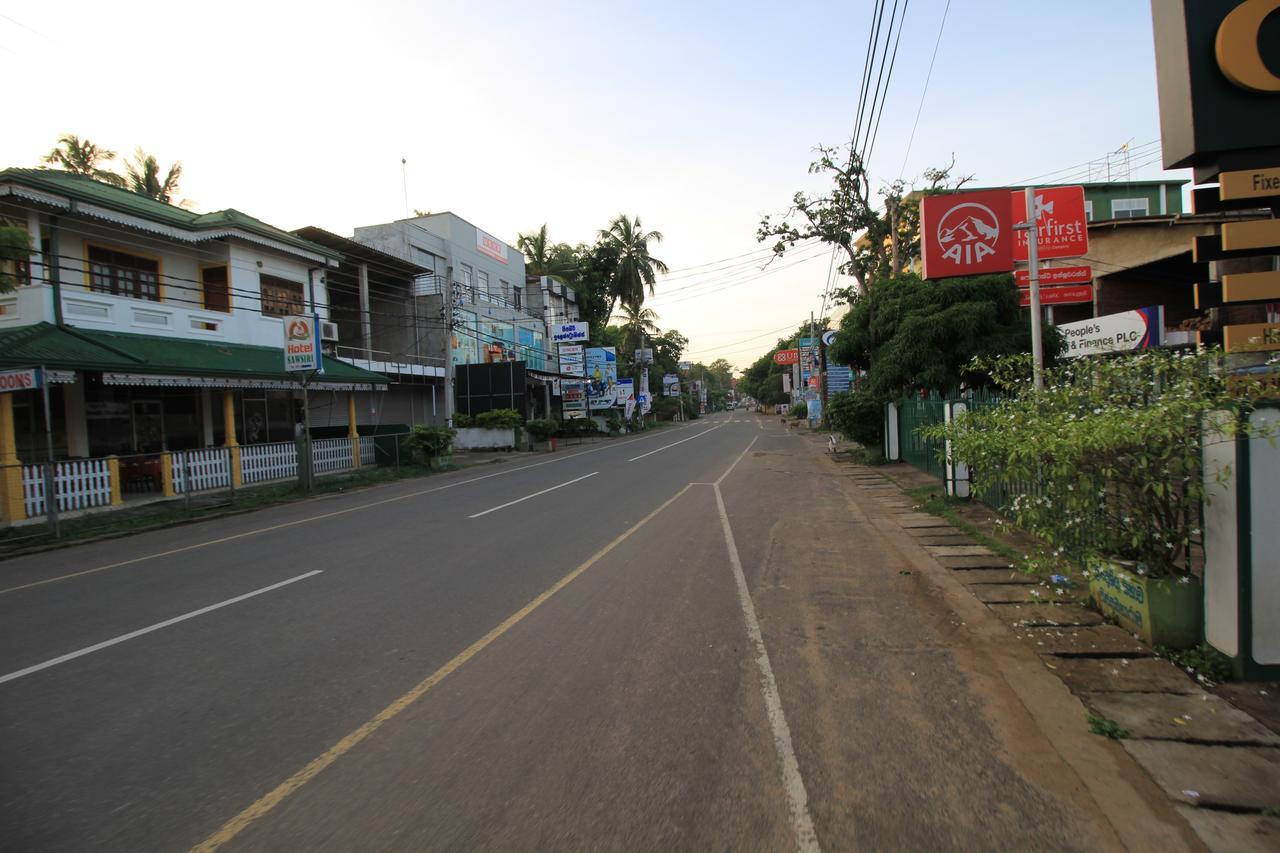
(302, 343)
(564, 333)
(1124, 332)
(1065, 294)
(26, 379)
(786, 356)
(1055, 275)
(966, 233)
(1062, 230)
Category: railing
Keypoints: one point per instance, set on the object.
(78, 483)
(210, 468)
(262, 462)
(362, 354)
(331, 454)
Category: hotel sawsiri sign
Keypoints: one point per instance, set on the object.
(302, 343)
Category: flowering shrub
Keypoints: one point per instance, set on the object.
(1111, 447)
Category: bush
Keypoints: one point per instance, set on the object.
(614, 421)
(431, 440)
(858, 416)
(499, 419)
(462, 420)
(542, 428)
(799, 410)
(578, 426)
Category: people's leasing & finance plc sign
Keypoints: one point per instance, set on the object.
(966, 233)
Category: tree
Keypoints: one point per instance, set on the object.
(912, 333)
(636, 268)
(594, 284)
(142, 176)
(83, 157)
(875, 246)
(15, 249)
(638, 322)
(544, 258)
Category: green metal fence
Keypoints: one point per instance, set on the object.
(923, 453)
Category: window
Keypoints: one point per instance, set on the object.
(216, 284)
(123, 274)
(482, 286)
(280, 297)
(1127, 208)
(1088, 211)
(515, 295)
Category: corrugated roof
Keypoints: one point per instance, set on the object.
(86, 349)
(85, 189)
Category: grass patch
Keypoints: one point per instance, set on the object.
(929, 500)
(1202, 660)
(1107, 728)
(111, 524)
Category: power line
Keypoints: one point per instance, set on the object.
(927, 77)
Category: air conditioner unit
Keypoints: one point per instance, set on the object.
(328, 331)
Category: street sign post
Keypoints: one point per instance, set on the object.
(302, 355)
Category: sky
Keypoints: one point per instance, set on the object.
(698, 117)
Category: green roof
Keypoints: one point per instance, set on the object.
(86, 189)
(44, 344)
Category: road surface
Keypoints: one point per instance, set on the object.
(695, 638)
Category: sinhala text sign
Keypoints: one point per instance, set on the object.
(966, 233)
(562, 333)
(302, 343)
(1123, 332)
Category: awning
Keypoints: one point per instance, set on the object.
(174, 362)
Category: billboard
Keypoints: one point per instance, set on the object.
(491, 246)
(1124, 332)
(786, 356)
(567, 333)
(302, 343)
(966, 233)
(602, 377)
(671, 384)
(1062, 230)
(572, 359)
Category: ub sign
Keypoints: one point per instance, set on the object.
(302, 343)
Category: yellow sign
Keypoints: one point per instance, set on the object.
(1251, 183)
(1254, 234)
(1251, 337)
(1236, 47)
(1250, 286)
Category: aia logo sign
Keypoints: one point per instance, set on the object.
(966, 234)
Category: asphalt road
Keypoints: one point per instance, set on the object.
(688, 639)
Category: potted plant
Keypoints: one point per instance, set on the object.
(543, 432)
(1103, 465)
(432, 444)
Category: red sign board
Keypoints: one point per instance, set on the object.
(786, 356)
(1055, 275)
(1063, 294)
(966, 233)
(1062, 229)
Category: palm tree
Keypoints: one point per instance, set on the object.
(638, 321)
(82, 157)
(542, 257)
(143, 177)
(636, 268)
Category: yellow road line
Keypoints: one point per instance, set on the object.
(281, 792)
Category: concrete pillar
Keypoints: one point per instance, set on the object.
(12, 507)
(117, 489)
(206, 416)
(366, 316)
(77, 422)
(229, 431)
(353, 433)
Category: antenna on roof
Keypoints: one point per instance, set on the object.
(404, 179)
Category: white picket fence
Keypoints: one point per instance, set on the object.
(262, 462)
(210, 468)
(78, 483)
(331, 454)
(367, 451)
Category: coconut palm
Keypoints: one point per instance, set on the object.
(142, 175)
(636, 269)
(542, 257)
(82, 157)
(638, 321)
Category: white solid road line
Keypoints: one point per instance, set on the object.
(534, 495)
(674, 443)
(97, 647)
(792, 782)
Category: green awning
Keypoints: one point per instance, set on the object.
(131, 359)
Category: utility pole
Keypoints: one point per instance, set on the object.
(1033, 271)
(448, 345)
